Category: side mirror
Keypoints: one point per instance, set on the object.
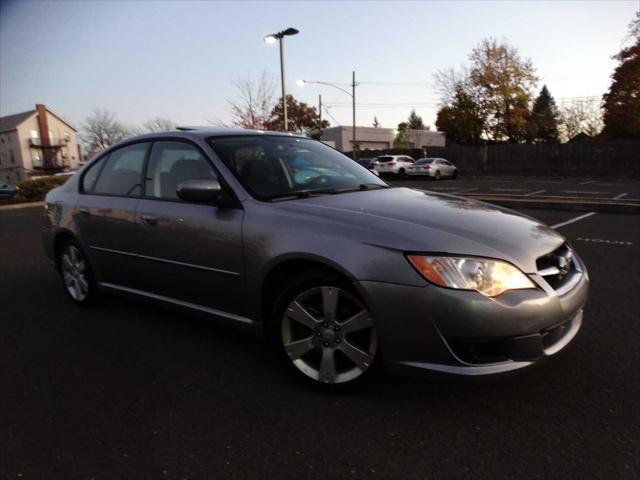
(203, 191)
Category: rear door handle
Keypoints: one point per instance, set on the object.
(149, 219)
(84, 212)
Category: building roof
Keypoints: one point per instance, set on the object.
(11, 122)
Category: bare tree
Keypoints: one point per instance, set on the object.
(253, 105)
(101, 129)
(158, 124)
(581, 116)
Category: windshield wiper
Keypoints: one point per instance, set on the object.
(328, 191)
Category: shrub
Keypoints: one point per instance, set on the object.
(36, 189)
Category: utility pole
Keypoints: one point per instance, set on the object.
(353, 98)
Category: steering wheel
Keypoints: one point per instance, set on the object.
(320, 181)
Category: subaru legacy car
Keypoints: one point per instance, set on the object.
(285, 237)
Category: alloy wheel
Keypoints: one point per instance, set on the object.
(74, 273)
(329, 335)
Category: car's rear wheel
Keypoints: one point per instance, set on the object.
(401, 173)
(455, 174)
(437, 176)
(76, 273)
(324, 332)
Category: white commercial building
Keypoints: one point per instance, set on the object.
(371, 138)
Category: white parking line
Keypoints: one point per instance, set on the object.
(588, 192)
(533, 193)
(558, 225)
(588, 182)
(466, 190)
(509, 189)
(618, 197)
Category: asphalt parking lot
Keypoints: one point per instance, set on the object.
(127, 390)
(532, 187)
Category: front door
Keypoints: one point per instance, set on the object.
(188, 252)
(105, 213)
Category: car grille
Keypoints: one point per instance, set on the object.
(558, 266)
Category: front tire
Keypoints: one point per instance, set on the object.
(76, 274)
(324, 332)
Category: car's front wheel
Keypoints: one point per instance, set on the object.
(324, 331)
(76, 273)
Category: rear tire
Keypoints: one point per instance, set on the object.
(437, 176)
(401, 173)
(323, 332)
(455, 174)
(76, 274)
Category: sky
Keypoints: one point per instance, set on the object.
(179, 59)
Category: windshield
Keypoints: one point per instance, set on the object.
(424, 160)
(271, 167)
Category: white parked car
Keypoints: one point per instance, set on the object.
(395, 164)
(433, 167)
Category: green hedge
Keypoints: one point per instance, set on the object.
(36, 189)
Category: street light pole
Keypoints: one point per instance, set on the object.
(320, 114)
(271, 38)
(353, 98)
(284, 88)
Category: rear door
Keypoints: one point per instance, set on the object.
(189, 252)
(106, 209)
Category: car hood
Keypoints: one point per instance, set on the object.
(421, 221)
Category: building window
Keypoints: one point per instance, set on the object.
(13, 160)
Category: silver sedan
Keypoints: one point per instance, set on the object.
(436, 168)
(285, 237)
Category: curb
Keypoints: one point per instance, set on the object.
(18, 206)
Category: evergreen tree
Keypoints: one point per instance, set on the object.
(414, 122)
(622, 102)
(543, 122)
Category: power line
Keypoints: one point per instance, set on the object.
(331, 116)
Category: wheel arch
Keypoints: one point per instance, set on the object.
(282, 269)
(59, 238)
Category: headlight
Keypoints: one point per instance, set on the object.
(489, 277)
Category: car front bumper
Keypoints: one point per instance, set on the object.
(430, 328)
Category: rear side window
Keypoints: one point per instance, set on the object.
(122, 172)
(91, 175)
(172, 163)
(385, 159)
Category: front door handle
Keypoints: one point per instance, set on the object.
(149, 220)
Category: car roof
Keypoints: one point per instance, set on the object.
(206, 132)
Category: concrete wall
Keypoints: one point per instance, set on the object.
(370, 138)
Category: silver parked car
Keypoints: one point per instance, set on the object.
(436, 168)
(283, 236)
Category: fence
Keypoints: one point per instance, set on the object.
(615, 156)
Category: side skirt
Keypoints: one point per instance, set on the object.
(224, 318)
